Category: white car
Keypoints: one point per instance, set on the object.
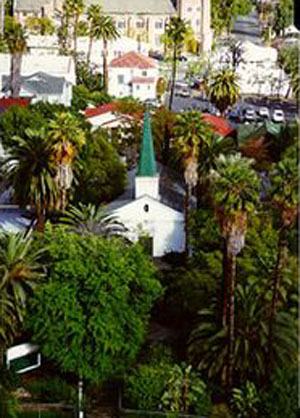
(278, 116)
(264, 113)
(184, 93)
(249, 115)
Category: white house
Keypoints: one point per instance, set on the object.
(107, 116)
(43, 87)
(148, 212)
(58, 66)
(133, 75)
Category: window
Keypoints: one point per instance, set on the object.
(137, 87)
(149, 87)
(198, 22)
(121, 24)
(146, 208)
(144, 73)
(158, 24)
(189, 9)
(140, 24)
(120, 79)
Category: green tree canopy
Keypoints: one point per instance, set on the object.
(101, 175)
(91, 315)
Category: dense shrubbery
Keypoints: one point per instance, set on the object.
(51, 390)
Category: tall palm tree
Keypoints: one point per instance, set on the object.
(284, 195)
(190, 135)
(16, 40)
(74, 9)
(208, 346)
(223, 89)
(94, 18)
(92, 219)
(30, 170)
(67, 137)
(175, 35)
(107, 30)
(20, 271)
(236, 194)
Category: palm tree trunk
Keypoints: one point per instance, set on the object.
(280, 262)
(15, 74)
(105, 69)
(174, 68)
(231, 323)
(89, 49)
(224, 303)
(76, 19)
(186, 212)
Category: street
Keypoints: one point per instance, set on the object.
(246, 28)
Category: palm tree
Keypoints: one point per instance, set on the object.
(190, 133)
(74, 9)
(176, 32)
(208, 346)
(107, 30)
(92, 219)
(16, 40)
(30, 170)
(67, 137)
(284, 195)
(94, 18)
(236, 195)
(223, 89)
(20, 271)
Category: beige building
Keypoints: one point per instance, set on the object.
(144, 20)
(198, 14)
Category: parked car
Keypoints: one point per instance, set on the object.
(250, 115)
(182, 58)
(234, 115)
(184, 93)
(151, 103)
(278, 116)
(264, 113)
(156, 55)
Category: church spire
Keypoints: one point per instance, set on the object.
(147, 163)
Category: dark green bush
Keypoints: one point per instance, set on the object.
(51, 390)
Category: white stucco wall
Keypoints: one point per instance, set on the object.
(162, 223)
(140, 91)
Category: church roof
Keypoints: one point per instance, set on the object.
(147, 164)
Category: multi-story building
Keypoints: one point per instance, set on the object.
(142, 20)
(198, 14)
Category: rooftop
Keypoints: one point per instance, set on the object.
(133, 60)
(40, 83)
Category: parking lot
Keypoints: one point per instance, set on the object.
(196, 101)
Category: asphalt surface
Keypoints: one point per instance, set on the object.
(246, 28)
(198, 102)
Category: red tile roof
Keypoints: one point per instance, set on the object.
(219, 125)
(133, 60)
(5, 103)
(96, 111)
(143, 80)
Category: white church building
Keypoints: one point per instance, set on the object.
(145, 210)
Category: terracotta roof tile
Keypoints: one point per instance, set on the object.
(101, 110)
(5, 103)
(133, 60)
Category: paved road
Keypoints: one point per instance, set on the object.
(246, 28)
(202, 104)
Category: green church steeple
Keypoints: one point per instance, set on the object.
(147, 163)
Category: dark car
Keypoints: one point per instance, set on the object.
(156, 55)
(234, 115)
(182, 58)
